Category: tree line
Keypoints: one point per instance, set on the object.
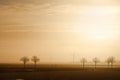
(110, 61)
(34, 59)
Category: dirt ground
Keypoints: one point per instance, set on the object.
(64, 73)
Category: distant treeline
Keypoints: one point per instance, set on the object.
(109, 61)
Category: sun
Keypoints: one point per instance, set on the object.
(96, 32)
(97, 24)
(99, 33)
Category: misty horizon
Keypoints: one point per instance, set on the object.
(54, 30)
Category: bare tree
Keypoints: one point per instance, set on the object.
(24, 60)
(95, 60)
(112, 60)
(83, 61)
(35, 59)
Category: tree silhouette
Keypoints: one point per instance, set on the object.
(35, 59)
(24, 60)
(83, 61)
(112, 60)
(95, 60)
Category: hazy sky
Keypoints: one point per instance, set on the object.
(54, 30)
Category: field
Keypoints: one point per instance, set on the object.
(57, 72)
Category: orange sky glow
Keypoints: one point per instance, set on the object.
(54, 30)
